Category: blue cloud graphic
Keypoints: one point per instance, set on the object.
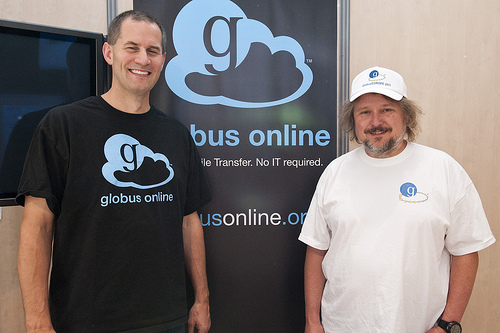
(126, 156)
(224, 18)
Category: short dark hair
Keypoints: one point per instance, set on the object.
(114, 29)
(411, 112)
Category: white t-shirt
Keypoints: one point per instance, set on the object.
(389, 226)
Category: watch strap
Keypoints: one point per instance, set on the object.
(447, 325)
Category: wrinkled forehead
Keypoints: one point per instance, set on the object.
(374, 100)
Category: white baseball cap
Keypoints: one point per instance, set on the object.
(378, 80)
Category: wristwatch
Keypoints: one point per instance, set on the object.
(450, 326)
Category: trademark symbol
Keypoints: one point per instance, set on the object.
(309, 61)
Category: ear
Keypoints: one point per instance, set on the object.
(107, 52)
(164, 56)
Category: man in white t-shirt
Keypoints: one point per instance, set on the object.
(394, 227)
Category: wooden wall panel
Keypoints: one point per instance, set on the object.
(448, 52)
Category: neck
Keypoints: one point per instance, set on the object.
(126, 102)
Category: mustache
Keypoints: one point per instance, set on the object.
(377, 129)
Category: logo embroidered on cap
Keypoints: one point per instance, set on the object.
(375, 76)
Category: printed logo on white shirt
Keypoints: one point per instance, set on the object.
(410, 194)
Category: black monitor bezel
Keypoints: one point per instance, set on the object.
(94, 39)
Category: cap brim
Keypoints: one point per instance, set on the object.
(377, 90)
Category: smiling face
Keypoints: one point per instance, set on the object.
(379, 125)
(136, 57)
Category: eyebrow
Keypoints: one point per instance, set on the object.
(149, 47)
(131, 43)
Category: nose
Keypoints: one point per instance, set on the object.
(376, 119)
(142, 58)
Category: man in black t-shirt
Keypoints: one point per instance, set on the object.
(111, 188)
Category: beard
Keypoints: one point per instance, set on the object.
(385, 150)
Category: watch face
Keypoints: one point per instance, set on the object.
(455, 328)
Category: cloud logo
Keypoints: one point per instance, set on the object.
(131, 164)
(215, 41)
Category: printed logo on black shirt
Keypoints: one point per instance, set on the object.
(131, 164)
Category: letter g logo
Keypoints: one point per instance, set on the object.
(373, 74)
(231, 48)
(408, 190)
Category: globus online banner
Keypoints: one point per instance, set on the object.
(255, 83)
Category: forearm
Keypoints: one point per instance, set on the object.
(35, 249)
(314, 283)
(462, 277)
(194, 252)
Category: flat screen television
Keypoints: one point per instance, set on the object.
(41, 67)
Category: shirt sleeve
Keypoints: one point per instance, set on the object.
(469, 230)
(315, 231)
(44, 172)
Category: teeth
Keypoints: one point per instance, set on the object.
(136, 71)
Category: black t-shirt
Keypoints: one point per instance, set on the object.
(119, 185)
